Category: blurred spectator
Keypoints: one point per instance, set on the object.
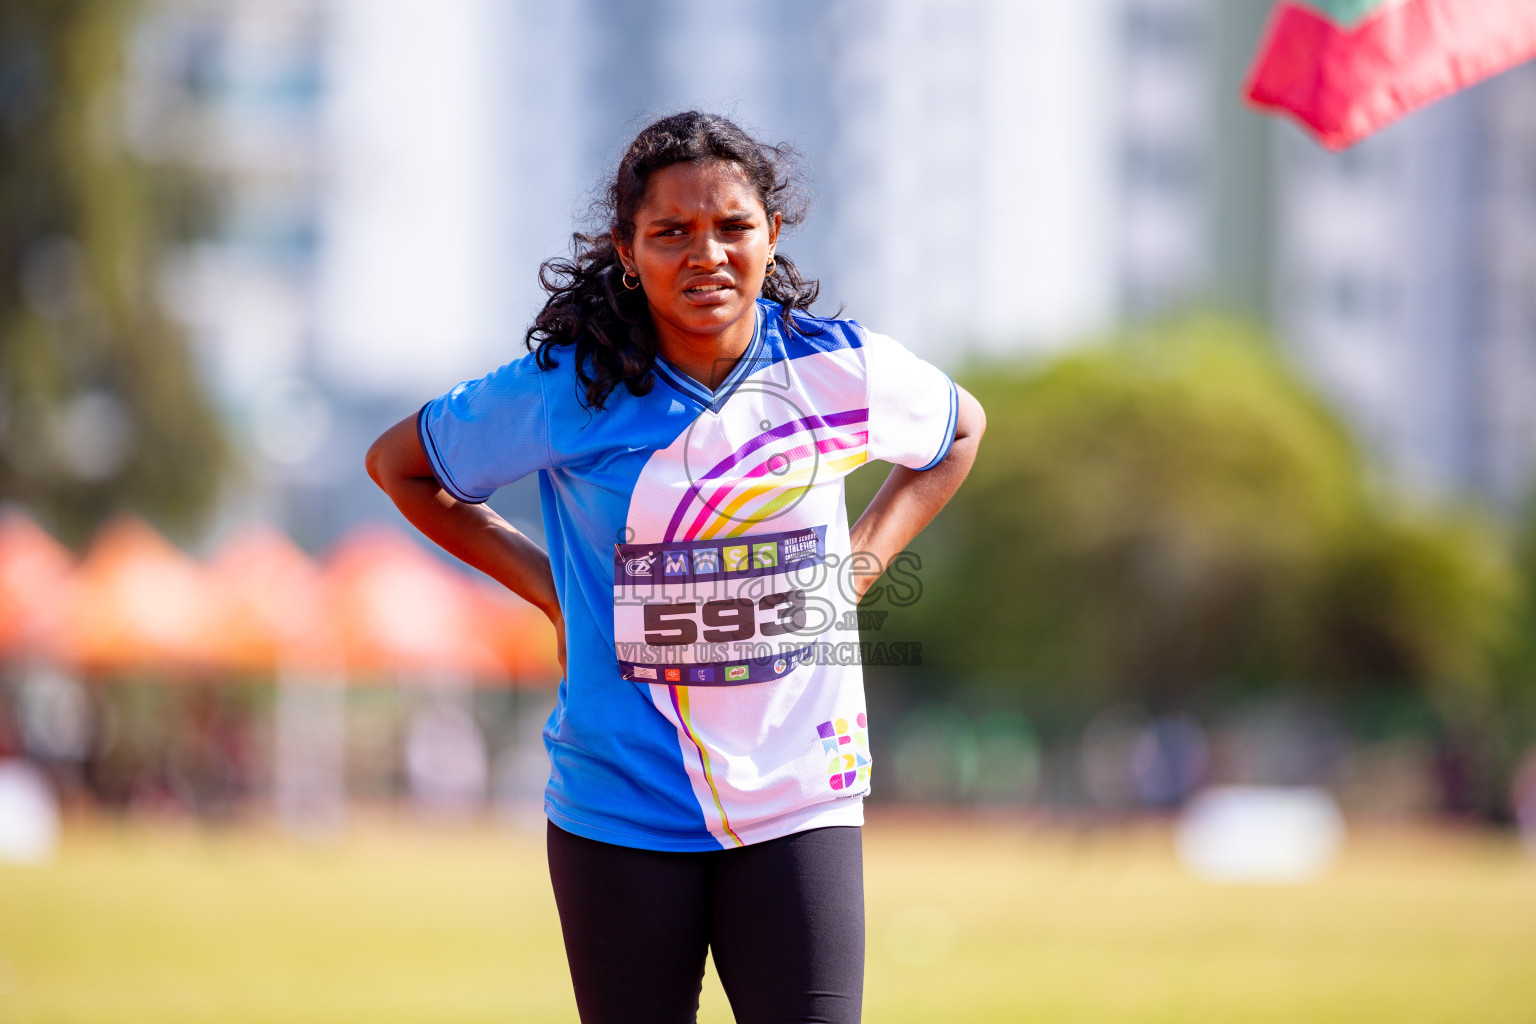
(29, 813)
(1280, 740)
(1169, 760)
(309, 780)
(1522, 798)
(55, 715)
(57, 726)
(1130, 760)
(1108, 750)
(209, 765)
(1392, 778)
(446, 758)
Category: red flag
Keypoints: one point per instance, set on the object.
(1345, 68)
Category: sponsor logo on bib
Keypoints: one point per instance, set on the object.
(736, 558)
(765, 556)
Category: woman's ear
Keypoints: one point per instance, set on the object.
(774, 223)
(626, 257)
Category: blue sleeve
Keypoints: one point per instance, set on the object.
(486, 433)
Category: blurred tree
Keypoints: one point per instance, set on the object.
(1517, 667)
(100, 408)
(1424, 597)
(1151, 518)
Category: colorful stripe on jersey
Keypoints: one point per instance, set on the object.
(680, 705)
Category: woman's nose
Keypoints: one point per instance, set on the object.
(707, 252)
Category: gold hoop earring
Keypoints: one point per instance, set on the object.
(772, 266)
(624, 280)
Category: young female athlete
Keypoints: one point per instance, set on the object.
(691, 425)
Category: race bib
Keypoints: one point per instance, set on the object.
(720, 612)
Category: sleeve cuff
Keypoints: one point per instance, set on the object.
(429, 446)
(949, 429)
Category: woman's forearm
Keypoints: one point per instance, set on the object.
(909, 499)
(474, 534)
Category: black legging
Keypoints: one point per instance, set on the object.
(783, 918)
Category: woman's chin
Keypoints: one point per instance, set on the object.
(710, 317)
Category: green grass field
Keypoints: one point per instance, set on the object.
(968, 921)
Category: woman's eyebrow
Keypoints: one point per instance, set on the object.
(680, 222)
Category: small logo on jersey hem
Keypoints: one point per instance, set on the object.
(849, 747)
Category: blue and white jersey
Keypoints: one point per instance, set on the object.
(699, 541)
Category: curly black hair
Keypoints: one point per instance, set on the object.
(609, 326)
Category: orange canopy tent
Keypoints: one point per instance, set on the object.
(136, 602)
(399, 609)
(382, 604)
(34, 574)
(279, 618)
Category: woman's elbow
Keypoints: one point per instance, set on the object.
(396, 455)
(374, 462)
(972, 419)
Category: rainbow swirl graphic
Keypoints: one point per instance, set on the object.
(730, 507)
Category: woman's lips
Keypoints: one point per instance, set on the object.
(707, 293)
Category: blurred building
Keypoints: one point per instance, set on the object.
(352, 262)
(923, 123)
(991, 176)
(1397, 272)
(1508, 364)
(233, 91)
(387, 175)
(1166, 154)
(1404, 270)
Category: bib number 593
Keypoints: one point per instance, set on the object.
(725, 621)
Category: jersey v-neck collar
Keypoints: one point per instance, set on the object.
(715, 400)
